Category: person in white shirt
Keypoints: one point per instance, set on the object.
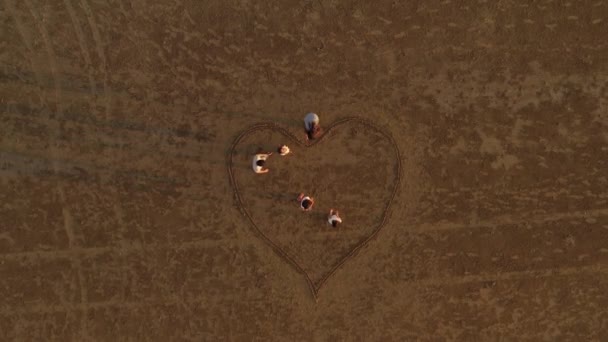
(259, 160)
(311, 124)
(283, 150)
(334, 218)
(306, 202)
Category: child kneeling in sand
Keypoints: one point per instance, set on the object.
(259, 160)
(306, 202)
(334, 218)
(283, 150)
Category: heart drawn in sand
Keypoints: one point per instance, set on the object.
(354, 167)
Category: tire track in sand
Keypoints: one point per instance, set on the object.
(524, 217)
(99, 48)
(562, 272)
(82, 44)
(107, 96)
(26, 38)
(67, 215)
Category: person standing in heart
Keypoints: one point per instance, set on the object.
(311, 124)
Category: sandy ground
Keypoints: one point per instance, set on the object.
(118, 220)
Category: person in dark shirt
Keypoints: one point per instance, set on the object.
(311, 124)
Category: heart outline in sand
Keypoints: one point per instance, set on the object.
(313, 286)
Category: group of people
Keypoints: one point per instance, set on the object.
(313, 130)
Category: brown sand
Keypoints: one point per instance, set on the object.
(117, 215)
